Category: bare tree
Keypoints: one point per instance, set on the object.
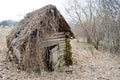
(86, 16)
(111, 11)
(99, 19)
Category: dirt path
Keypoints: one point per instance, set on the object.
(88, 65)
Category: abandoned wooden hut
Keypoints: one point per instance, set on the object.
(40, 41)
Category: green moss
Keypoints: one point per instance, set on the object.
(61, 59)
(68, 55)
(62, 63)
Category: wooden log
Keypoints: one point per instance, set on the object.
(59, 33)
(60, 39)
(55, 37)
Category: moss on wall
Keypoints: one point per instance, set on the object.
(68, 55)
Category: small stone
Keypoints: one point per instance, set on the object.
(70, 66)
(7, 68)
(18, 70)
(69, 71)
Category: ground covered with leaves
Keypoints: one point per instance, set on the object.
(88, 64)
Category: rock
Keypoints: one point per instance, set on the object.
(7, 68)
(69, 71)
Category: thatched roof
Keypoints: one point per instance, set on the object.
(46, 18)
(29, 34)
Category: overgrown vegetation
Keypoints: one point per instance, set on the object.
(68, 56)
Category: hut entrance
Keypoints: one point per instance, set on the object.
(52, 56)
(55, 51)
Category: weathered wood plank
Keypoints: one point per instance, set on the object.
(62, 51)
(59, 33)
(47, 44)
(55, 37)
(62, 44)
(60, 39)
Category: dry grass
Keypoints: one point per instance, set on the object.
(89, 64)
(3, 33)
(96, 65)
